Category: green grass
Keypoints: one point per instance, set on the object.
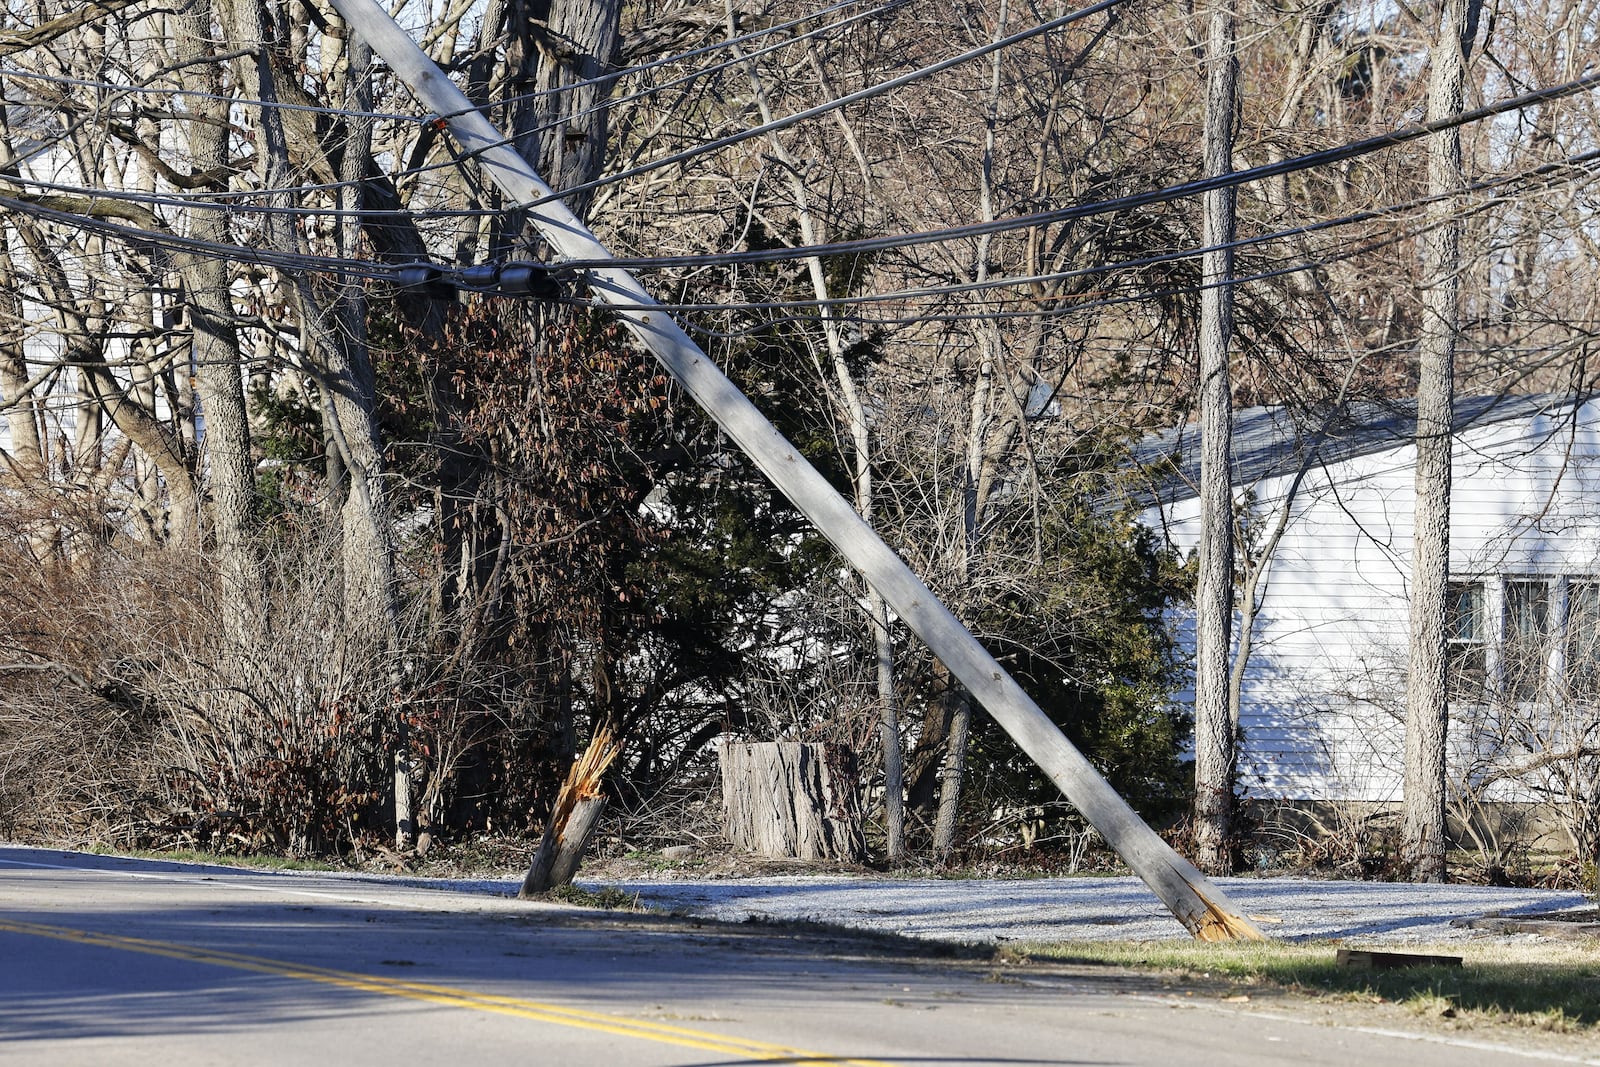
(609, 898)
(1552, 986)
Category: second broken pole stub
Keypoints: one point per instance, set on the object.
(792, 800)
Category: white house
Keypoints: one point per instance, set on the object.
(1322, 701)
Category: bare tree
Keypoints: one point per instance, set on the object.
(1427, 707)
(1216, 757)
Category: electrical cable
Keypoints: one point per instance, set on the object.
(871, 91)
(1294, 164)
(377, 271)
(179, 197)
(1065, 307)
(1542, 171)
(137, 237)
(1074, 212)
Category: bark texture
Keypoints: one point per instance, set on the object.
(788, 799)
(561, 849)
(1427, 708)
(1214, 736)
(229, 469)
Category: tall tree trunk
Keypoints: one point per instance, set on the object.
(563, 48)
(953, 773)
(335, 342)
(230, 473)
(1215, 755)
(1427, 706)
(22, 413)
(894, 776)
(976, 476)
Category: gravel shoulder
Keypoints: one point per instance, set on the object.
(1094, 909)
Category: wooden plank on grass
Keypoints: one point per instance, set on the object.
(1374, 960)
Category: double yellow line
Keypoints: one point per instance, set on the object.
(445, 995)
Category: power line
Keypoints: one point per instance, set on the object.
(869, 245)
(1059, 306)
(215, 199)
(1149, 198)
(393, 272)
(1546, 171)
(877, 89)
(139, 237)
(1064, 306)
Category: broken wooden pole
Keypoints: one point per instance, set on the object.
(561, 849)
(1199, 905)
(792, 799)
(573, 818)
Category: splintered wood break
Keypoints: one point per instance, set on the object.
(1373, 960)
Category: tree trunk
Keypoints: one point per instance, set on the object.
(977, 474)
(952, 774)
(848, 399)
(894, 778)
(1427, 707)
(22, 411)
(336, 347)
(785, 799)
(230, 471)
(1215, 756)
(563, 48)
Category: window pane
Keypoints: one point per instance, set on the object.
(1464, 637)
(1527, 648)
(1583, 640)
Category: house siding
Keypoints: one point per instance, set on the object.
(1322, 705)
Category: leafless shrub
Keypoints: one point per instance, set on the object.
(127, 716)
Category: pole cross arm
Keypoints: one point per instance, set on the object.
(1202, 907)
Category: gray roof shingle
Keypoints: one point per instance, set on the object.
(1270, 441)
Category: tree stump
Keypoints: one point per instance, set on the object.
(788, 799)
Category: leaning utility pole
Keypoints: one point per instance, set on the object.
(1202, 908)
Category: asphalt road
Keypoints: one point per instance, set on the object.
(110, 961)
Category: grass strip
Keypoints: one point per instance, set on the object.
(1548, 986)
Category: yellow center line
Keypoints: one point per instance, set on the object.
(448, 996)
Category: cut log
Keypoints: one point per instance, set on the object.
(786, 799)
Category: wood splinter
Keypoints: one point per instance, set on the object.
(577, 812)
